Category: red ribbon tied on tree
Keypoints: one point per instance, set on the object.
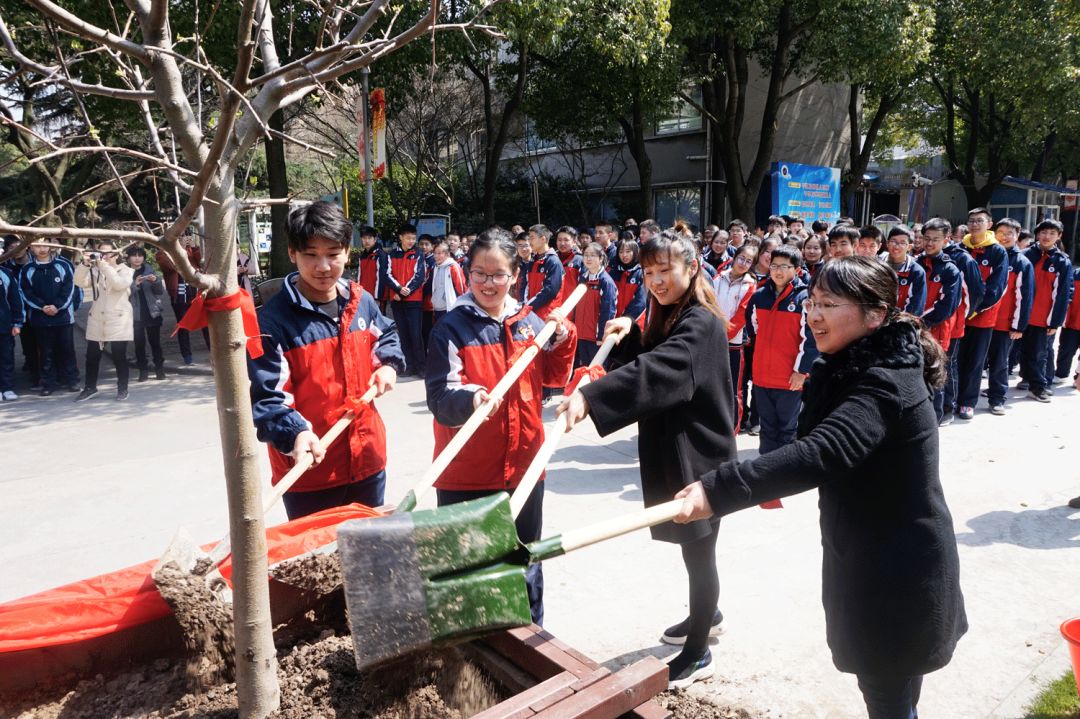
(197, 317)
(593, 372)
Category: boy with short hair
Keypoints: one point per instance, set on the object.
(869, 244)
(943, 290)
(785, 346)
(404, 278)
(992, 262)
(325, 343)
(842, 239)
(1012, 313)
(1053, 288)
(372, 267)
(911, 297)
(971, 294)
(544, 279)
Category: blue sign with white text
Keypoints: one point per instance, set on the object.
(808, 192)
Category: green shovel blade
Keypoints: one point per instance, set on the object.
(477, 602)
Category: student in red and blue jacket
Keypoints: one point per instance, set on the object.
(544, 281)
(471, 349)
(597, 307)
(630, 280)
(785, 348)
(405, 282)
(992, 261)
(1070, 333)
(944, 287)
(572, 263)
(1053, 288)
(1012, 313)
(973, 289)
(373, 266)
(12, 318)
(426, 243)
(911, 296)
(325, 343)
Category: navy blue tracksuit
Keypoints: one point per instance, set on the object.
(52, 283)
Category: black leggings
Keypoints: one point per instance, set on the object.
(118, 351)
(699, 556)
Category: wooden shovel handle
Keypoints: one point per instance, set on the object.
(304, 463)
(553, 434)
(223, 548)
(649, 517)
(457, 442)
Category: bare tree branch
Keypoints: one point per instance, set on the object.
(88, 31)
(76, 233)
(115, 150)
(51, 74)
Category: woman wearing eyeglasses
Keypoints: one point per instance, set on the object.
(470, 350)
(867, 440)
(734, 287)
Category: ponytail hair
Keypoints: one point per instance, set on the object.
(874, 284)
(661, 318)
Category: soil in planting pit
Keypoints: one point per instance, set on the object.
(318, 679)
(686, 706)
(319, 572)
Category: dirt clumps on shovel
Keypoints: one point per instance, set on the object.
(318, 572)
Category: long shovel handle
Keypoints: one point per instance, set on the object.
(457, 442)
(223, 548)
(608, 529)
(554, 433)
(304, 463)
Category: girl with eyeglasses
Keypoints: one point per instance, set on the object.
(764, 259)
(672, 378)
(868, 442)
(733, 288)
(471, 349)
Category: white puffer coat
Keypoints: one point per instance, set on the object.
(108, 288)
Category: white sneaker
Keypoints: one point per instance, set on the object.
(10, 396)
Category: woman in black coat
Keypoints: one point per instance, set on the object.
(868, 440)
(674, 381)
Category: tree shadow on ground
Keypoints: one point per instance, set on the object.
(1051, 528)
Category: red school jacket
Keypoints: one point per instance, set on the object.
(470, 350)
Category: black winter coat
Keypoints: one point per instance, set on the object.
(679, 393)
(868, 440)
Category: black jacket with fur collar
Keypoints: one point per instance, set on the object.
(868, 440)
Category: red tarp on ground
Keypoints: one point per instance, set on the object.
(125, 598)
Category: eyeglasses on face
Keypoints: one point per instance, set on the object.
(826, 306)
(781, 267)
(499, 279)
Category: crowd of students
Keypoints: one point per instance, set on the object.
(42, 291)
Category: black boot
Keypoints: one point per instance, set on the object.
(143, 374)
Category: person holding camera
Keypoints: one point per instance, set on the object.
(110, 321)
(146, 292)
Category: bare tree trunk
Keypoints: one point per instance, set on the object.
(634, 131)
(277, 176)
(256, 669)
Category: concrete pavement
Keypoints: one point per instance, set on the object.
(95, 486)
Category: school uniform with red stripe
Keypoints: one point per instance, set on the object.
(406, 269)
(469, 350)
(597, 307)
(911, 294)
(311, 367)
(544, 283)
(777, 324)
(573, 268)
(632, 293)
(373, 267)
(1014, 311)
(971, 287)
(943, 291)
(1053, 286)
(993, 263)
